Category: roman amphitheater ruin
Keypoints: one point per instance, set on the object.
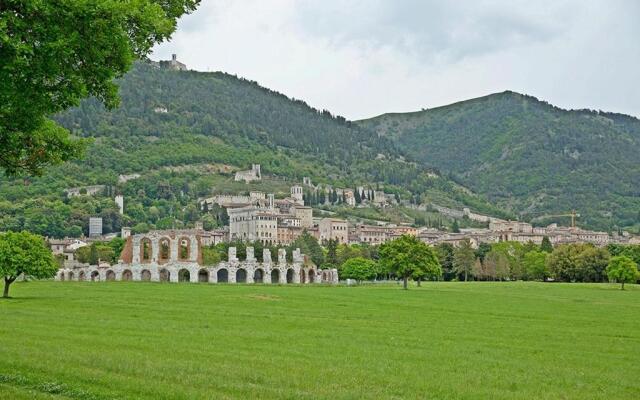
(176, 256)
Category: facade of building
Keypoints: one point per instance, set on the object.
(95, 226)
(253, 224)
(305, 214)
(370, 234)
(334, 229)
(297, 194)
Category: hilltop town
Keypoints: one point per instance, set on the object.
(257, 216)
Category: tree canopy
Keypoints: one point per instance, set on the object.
(360, 269)
(24, 253)
(622, 269)
(408, 257)
(55, 53)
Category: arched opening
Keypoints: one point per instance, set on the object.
(312, 276)
(164, 275)
(71, 276)
(127, 275)
(81, 276)
(290, 275)
(164, 254)
(258, 276)
(95, 276)
(62, 275)
(183, 248)
(241, 275)
(275, 276)
(145, 250)
(145, 275)
(111, 276)
(303, 277)
(203, 276)
(184, 275)
(223, 275)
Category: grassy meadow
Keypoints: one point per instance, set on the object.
(124, 340)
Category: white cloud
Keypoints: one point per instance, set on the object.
(362, 58)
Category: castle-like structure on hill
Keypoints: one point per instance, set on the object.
(176, 256)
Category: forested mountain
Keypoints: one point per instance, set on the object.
(529, 156)
(171, 120)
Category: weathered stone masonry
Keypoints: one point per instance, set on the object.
(176, 256)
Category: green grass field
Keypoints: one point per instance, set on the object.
(76, 340)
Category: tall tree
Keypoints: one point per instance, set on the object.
(332, 252)
(55, 53)
(408, 257)
(546, 245)
(455, 227)
(444, 251)
(463, 258)
(24, 253)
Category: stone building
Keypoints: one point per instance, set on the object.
(95, 226)
(253, 223)
(173, 64)
(176, 256)
(297, 194)
(305, 214)
(334, 229)
(370, 234)
(250, 175)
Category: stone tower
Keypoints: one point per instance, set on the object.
(297, 194)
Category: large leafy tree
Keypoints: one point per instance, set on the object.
(53, 53)
(622, 269)
(24, 253)
(408, 257)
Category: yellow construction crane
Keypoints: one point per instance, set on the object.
(573, 216)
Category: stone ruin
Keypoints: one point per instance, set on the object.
(176, 256)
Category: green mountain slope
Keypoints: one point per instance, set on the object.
(529, 156)
(179, 129)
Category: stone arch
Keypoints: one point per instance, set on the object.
(184, 275)
(258, 276)
(290, 275)
(71, 275)
(303, 276)
(275, 276)
(145, 250)
(312, 276)
(127, 275)
(62, 275)
(81, 276)
(165, 275)
(241, 275)
(95, 276)
(164, 251)
(145, 275)
(110, 275)
(184, 248)
(203, 276)
(222, 275)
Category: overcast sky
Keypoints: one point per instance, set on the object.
(364, 58)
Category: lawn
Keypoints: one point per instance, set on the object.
(81, 340)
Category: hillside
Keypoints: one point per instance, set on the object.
(529, 156)
(185, 133)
